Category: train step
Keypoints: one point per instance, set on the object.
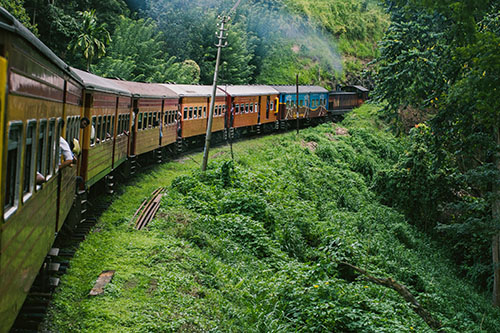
(54, 252)
(54, 267)
(54, 281)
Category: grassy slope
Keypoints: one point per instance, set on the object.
(254, 246)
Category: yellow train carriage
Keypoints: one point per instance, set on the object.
(104, 145)
(33, 207)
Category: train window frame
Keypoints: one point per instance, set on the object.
(29, 172)
(195, 112)
(10, 208)
(98, 130)
(112, 129)
(51, 157)
(139, 121)
(250, 107)
(120, 125)
(109, 127)
(57, 153)
(271, 105)
(256, 108)
(185, 113)
(190, 112)
(93, 127)
(236, 109)
(150, 119)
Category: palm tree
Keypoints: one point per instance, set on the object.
(92, 38)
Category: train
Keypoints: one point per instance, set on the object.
(42, 99)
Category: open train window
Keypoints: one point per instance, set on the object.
(112, 126)
(271, 106)
(190, 112)
(51, 148)
(139, 121)
(109, 128)
(98, 129)
(256, 108)
(195, 113)
(59, 130)
(119, 128)
(13, 165)
(236, 108)
(251, 108)
(29, 160)
(150, 119)
(93, 131)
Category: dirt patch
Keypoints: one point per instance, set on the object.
(152, 286)
(311, 145)
(330, 137)
(341, 131)
(221, 153)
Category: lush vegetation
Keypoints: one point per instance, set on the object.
(256, 244)
(440, 63)
(324, 41)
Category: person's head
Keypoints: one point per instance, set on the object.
(84, 122)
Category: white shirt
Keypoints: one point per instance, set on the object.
(65, 151)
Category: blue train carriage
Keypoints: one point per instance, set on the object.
(344, 100)
(312, 102)
(37, 93)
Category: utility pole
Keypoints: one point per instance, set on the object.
(222, 36)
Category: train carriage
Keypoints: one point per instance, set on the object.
(194, 104)
(39, 84)
(155, 107)
(105, 143)
(312, 102)
(251, 105)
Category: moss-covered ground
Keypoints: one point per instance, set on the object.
(254, 245)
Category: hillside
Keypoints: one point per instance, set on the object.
(257, 244)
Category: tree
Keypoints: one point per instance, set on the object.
(92, 38)
(16, 8)
(137, 53)
(459, 82)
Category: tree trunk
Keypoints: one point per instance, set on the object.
(496, 222)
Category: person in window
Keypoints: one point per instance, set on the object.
(66, 155)
(84, 122)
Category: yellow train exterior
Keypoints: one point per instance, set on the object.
(37, 93)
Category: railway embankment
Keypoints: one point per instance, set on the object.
(268, 242)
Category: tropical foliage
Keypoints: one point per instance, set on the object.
(443, 59)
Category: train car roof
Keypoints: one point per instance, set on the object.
(10, 23)
(360, 88)
(302, 89)
(97, 83)
(147, 90)
(255, 90)
(192, 90)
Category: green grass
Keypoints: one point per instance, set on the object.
(254, 245)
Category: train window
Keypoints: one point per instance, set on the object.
(236, 108)
(186, 113)
(200, 109)
(98, 129)
(92, 131)
(204, 112)
(109, 127)
(13, 166)
(69, 127)
(119, 128)
(139, 121)
(29, 160)
(150, 119)
(191, 112)
(77, 128)
(195, 113)
(112, 130)
(59, 130)
(256, 108)
(250, 108)
(271, 106)
(51, 148)
(42, 136)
